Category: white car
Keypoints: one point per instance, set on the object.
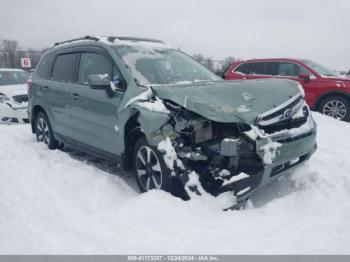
(13, 96)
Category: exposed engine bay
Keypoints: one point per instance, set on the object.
(216, 151)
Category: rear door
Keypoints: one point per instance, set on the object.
(94, 112)
(58, 92)
(261, 70)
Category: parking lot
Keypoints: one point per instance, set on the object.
(56, 202)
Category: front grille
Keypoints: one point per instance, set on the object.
(282, 110)
(284, 125)
(287, 117)
(20, 98)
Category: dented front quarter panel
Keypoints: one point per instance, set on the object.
(151, 123)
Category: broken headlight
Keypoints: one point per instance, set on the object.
(193, 128)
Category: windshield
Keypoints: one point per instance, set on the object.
(13, 77)
(153, 65)
(320, 69)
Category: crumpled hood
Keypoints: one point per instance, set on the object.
(230, 101)
(12, 90)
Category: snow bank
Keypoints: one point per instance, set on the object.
(52, 202)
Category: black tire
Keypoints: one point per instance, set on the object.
(43, 131)
(341, 105)
(153, 171)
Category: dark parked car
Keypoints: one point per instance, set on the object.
(325, 91)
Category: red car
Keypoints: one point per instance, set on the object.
(325, 91)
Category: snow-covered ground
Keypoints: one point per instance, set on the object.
(52, 202)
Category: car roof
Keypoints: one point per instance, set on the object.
(272, 60)
(110, 41)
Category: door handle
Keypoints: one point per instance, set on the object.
(75, 96)
(44, 89)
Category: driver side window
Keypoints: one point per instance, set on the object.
(91, 64)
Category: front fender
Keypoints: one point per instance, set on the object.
(151, 124)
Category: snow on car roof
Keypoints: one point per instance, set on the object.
(117, 40)
(132, 41)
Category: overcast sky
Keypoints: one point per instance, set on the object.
(317, 30)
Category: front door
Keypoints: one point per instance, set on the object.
(94, 112)
(291, 71)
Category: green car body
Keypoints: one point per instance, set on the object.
(217, 129)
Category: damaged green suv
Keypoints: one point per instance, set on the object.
(176, 125)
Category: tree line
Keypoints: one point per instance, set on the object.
(11, 54)
(216, 66)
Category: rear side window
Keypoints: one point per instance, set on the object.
(64, 67)
(243, 68)
(45, 66)
(263, 68)
(91, 64)
(290, 69)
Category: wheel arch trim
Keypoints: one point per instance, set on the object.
(323, 96)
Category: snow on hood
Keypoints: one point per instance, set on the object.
(230, 101)
(12, 90)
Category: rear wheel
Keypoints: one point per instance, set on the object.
(337, 107)
(43, 131)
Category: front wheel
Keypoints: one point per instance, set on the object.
(337, 107)
(43, 131)
(149, 167)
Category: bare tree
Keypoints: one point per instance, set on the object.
(205, 61)
(9, 52)
(10, 56)
(199, 58)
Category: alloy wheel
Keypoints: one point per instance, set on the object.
(148, 168)
(335, 108)
(42, 131)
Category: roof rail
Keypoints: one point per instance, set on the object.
(133, 39)
(77, 39)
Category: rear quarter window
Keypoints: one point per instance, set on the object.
(45, 66)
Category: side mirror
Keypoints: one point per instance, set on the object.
(99, 82)
(305, 77)
(117, 84)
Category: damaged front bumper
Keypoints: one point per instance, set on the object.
(275, 154)
(290, 154)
